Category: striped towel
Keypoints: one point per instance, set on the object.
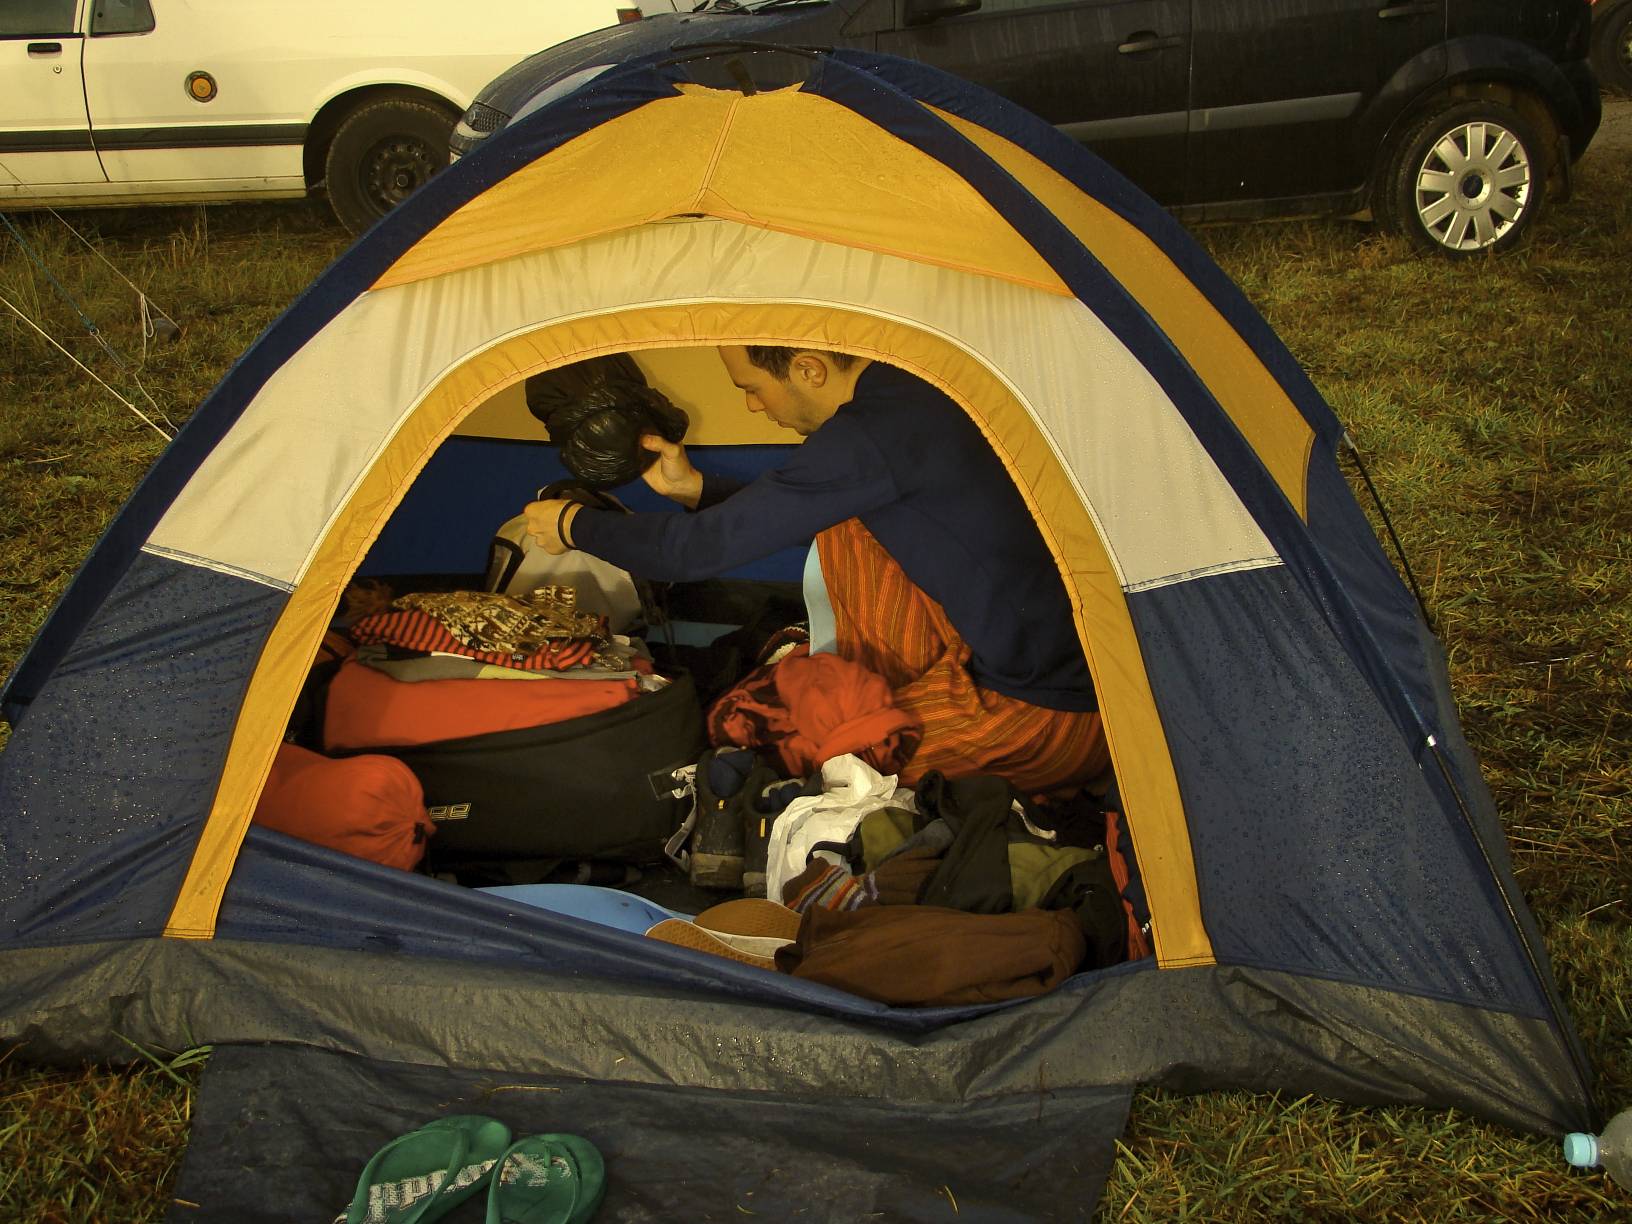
(888, 625)
(414, 630)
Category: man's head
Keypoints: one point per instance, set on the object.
(799, 389)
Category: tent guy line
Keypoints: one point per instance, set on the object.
(52, 340)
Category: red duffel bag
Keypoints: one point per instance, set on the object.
(367, 709)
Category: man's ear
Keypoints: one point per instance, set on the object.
(808, 370)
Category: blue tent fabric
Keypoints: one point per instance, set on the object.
(1383, 602)
(1293, 811)
(286, 890)
(106, 786)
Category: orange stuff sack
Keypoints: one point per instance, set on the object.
(368, 806)
(368, 709)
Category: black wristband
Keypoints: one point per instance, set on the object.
(561, 524)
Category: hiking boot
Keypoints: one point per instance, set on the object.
(716, 848)
(728, 846)
(716, 841)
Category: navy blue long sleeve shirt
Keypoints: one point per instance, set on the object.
(908, 462)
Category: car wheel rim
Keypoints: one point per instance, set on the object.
(394, 169)
(1473, 186)
(1625, 49)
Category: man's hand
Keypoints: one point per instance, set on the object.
(544, 520)
(672, 475)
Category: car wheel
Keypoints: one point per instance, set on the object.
(381, 153)
(1470, 177)
(1612, 47)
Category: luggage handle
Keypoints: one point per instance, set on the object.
(673, 782)
(676, 784)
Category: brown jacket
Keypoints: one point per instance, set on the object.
(924, 956)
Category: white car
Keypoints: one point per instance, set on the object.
(183, 101)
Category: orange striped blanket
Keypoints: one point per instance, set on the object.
(889, 626)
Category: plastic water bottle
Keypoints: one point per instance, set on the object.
(1612, 1149)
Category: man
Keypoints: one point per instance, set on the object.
(934, 571)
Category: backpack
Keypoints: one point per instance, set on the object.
(516, 565)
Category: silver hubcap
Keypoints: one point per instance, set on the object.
(1473, 186)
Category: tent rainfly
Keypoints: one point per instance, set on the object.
(1332, 905)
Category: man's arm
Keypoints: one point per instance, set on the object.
(837, 474)
(673, 475)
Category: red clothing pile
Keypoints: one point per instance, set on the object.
(811, 708)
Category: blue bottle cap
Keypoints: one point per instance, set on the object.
(1581, 1150)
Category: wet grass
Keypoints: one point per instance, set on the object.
(89, 1145)
(1492, 400)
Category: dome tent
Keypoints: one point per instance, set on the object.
(1332, 908)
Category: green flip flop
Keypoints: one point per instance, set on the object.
(547, 1179)
(421, 1176)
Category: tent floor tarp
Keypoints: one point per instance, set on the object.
(1187, 1029)
(281, 1132)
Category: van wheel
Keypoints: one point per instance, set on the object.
(1470, 177)
(1612, 47)
(380, 154)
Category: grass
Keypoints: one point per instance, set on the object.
(90, 1146)
(1492, 400)
(70, 452)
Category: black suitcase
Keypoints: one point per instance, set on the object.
(596, 787)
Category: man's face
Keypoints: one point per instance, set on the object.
(782, 400)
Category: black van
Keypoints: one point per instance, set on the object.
(1450, 120)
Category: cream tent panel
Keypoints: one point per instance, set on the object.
(262, 500)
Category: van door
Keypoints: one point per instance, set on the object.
(45, 134)
(1110, 73)
(183, 96)
(1278, 89)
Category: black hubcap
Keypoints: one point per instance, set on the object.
(394, 169)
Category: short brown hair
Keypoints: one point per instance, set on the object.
(776, 360)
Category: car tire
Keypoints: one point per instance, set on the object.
(1612, 46)
(1468, 178)
(381, 153)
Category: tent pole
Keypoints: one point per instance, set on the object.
(1382, 510)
